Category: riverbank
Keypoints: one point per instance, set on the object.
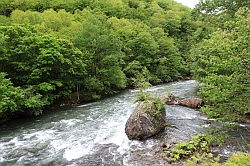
(67, 102)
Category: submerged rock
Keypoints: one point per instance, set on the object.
(170, 99)
(145, 121)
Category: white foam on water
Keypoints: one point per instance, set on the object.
(134, 90)
(84, 105)
(192, 82)
(111, 132)
(2, 159)
(21, 159)
(180, 114)
(233, 123)
(243, 125)
(203, 118)
(129, 145)
(14, 141)
(58, 145)
(226, 151)
(124, 146)
(76, 150)
(206, 125)
(70, 122)
(155, 88)
(39, 136)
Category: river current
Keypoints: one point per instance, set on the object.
(94, 134)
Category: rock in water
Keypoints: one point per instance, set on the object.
(145, 122)
(191, 102)
(170, 99)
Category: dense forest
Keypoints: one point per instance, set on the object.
(56, 52)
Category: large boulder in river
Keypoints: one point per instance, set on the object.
(145, 121)
(170, 99)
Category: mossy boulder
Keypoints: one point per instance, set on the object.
(147, 120)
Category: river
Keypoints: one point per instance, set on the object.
(93, 134)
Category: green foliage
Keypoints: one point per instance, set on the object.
(208, 159)
(143, 96)
(216, 137)
(150, 102)
(15, 99)
(4, 20)
(137, 74)
(237, 159)
(11, 97)
(154, 104)
(213, 14)
(204, 159)
(89, 29)
(197, 151)
(168, 69)
(217, 12)
(222, 64)
(7, 6)
(55, 49)
(214, 7)
(160, 107)
(44, 67)
(199, 143)
(105, 59)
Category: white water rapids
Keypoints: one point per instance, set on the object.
(93, 134)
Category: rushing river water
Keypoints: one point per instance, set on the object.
(93, 134)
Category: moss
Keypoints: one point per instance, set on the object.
(153, 105)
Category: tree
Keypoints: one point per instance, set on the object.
(28, 17)
(52, 67)
(136, 73)
(222, 63)
(16, 100)
(105, 59)
(217, 12)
